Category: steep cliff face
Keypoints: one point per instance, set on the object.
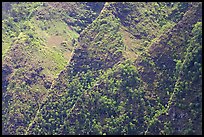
(100, 45)
(36, 45)
(103, 68)
(166, 80)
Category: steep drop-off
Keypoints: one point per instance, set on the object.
(119, 68)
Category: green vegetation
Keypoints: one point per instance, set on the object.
(95, 68)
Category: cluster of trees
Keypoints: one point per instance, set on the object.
(88, 106)
(101, 92)
(174, 78)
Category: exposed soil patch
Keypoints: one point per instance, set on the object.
(54, 41)
(130, 44)
(67, 55)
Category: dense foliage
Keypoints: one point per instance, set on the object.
(95, 68)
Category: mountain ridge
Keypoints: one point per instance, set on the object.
(129, 71)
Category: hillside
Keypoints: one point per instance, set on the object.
(102, 68)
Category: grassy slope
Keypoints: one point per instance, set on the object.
(143, 23)
(99, 105)
(77, 100)
(165, 79)
(36, 49)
